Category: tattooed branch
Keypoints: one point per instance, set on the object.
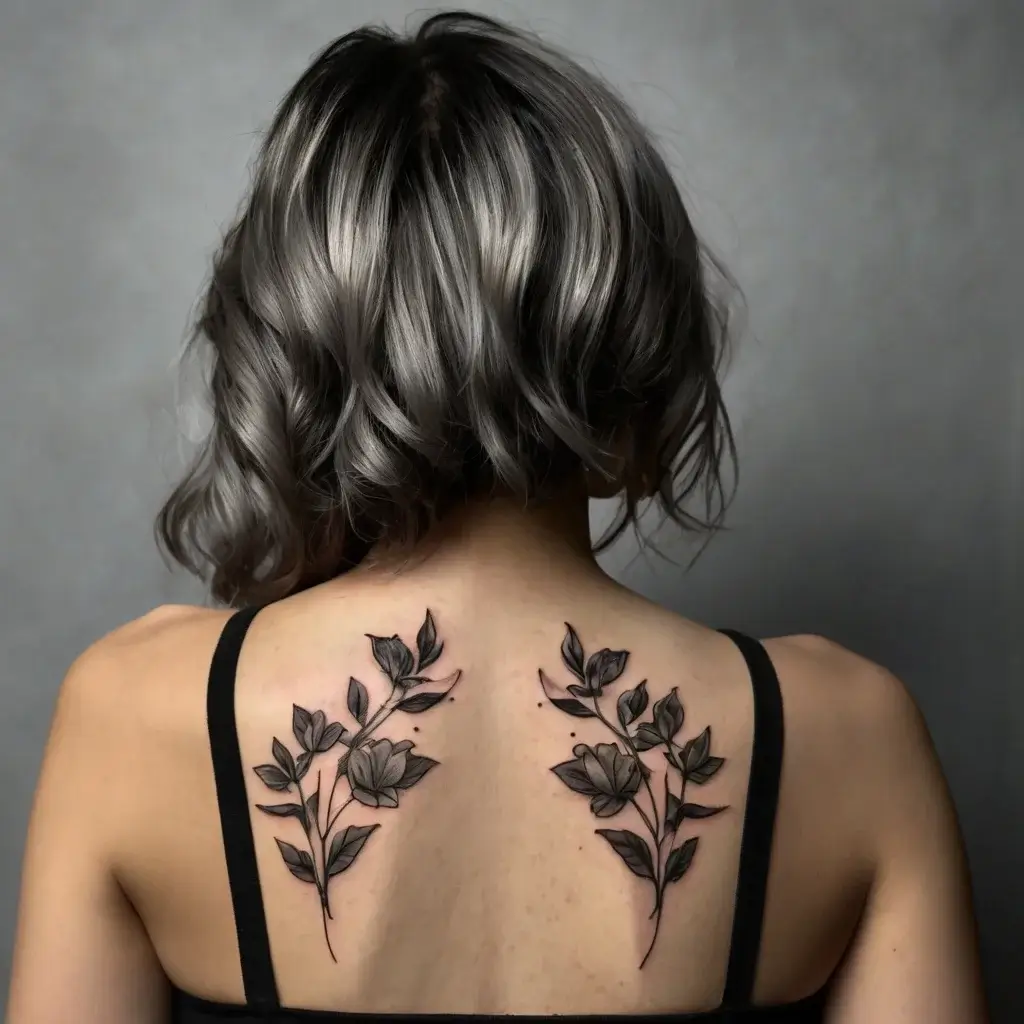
(614, 777)
(374, 770)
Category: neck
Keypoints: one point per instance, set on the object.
(501, 537)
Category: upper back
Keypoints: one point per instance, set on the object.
(483, 881)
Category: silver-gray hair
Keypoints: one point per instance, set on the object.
(462, 269)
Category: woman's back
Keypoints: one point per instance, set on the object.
(488, 888)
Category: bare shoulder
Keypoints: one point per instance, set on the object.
(863, 754)
(143, 668)
(844, 710)
(824, 674)
(165, 623)
(150, 636)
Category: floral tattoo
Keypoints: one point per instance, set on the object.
(373, 771)
(615, 777)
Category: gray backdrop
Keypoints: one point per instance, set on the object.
(858, 165)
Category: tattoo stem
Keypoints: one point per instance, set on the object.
(321, 887)
(654, 937)
(647, 821)
(325, 903)
(337, 814)
(327, 934)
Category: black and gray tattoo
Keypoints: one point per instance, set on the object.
(615, 777)
(371, 771)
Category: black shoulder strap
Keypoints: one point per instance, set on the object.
(758, 822)
(236, 826)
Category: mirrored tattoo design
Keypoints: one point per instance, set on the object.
(613, 775)
(370, 771)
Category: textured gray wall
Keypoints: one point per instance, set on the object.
(860, 167)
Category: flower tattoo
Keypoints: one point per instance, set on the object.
(374, 771)
(614, 777)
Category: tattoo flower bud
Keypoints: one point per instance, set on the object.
(374, 772)
(312, 731)
(394, 658)
(609, 777)
(603, 668)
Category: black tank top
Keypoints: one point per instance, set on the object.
(262, 1005)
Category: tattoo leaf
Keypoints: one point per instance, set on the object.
(394, 658)
(427, 635)
(302, 721)
(273, 777)
(283, 756)
(699, 811)
(603, 668)
(632, 704)
(332, 734)
(317, 725)
(312, 809)
(299, 863)
(572, 652)
(572, 707)
(346, 846)
(416, 767)
(706, 770)
(673, 815)
(358, 700)
(668, 716)
(696, 751)
(420, 702)
(632, 849)
(679, 860)
(569, 705)
(575, 777)
(676, 812)
(425, 701)
(647, 737)
(428, 650)
(302, 763)
(281, 810)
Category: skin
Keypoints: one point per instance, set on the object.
(484, 891)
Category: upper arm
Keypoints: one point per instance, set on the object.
(915, 956)
(81, 953)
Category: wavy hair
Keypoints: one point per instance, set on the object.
(462, 269)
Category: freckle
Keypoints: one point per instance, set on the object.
(415, 728)
(540, 704)
(572, 734)
(451, 700)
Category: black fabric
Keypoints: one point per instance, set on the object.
(758, 822)
(190, 1010)
(236, 825)
(262, 1005)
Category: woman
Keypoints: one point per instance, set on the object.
(440, 763)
